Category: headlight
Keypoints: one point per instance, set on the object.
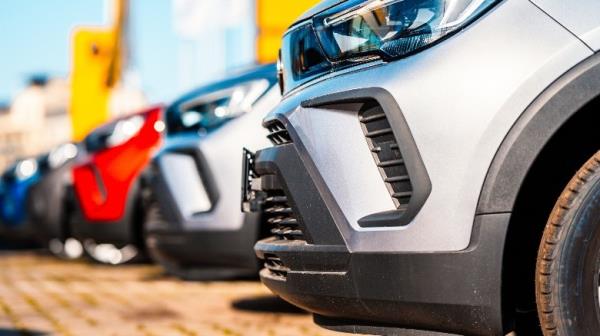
(114, 133)
(357, 31)
(125, 130)
(391, 28)
(61, 154)
(26, 169)
(214, 109)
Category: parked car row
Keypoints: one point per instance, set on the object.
(423, 167)
(160, 183)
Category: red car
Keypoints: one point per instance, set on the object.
(108, 183)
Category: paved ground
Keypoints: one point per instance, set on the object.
(41, 295)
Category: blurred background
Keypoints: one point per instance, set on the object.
(68, 66)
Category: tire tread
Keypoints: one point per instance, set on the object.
(549, 247)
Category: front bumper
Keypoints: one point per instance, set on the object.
(119, 233)
(383, 292)
(204, 254)
(124, 231)
(187, 238)
(442, 270)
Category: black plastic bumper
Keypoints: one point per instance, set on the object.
(205, 254)
(116, 233)
(24, 233)
(383, 292)
(201, 253)
(125, 231)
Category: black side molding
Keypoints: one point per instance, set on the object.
(532, 131)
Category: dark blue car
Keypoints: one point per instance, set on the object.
(15, 184)
(32, 194)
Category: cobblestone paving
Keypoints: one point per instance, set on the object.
(41, 295)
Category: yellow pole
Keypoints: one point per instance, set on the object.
(273, 18)
(96, 67)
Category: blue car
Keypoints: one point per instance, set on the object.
(15, 184)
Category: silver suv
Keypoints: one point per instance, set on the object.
(193, 226)
(419, 177)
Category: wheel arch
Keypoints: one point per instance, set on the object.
(534, 129)
(556, 131)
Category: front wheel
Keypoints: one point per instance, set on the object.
(568, 263)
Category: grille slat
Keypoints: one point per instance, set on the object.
(380, 132)
(281, 132)
(284, 226)
(386, 153)
(283, 221)
(278, 210)
(278, 134)
(280, 215)
(394, 179)
(402, 194)
(275, 199)
(275, 266)
(286, 232)
(373, 117)
(390, 163)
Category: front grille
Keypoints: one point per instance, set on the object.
(386, 152)
(275, 266)
(280, 216)
(278, 134)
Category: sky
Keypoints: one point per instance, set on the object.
(35, 38)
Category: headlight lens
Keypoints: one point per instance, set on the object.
(125, 130)
(114, 134)
(392, 28)
(61, 154)
(357, 31)
(26, 169)
(213, 109)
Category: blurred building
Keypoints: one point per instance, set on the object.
(199, 42)
(36, 121)
(214, 37)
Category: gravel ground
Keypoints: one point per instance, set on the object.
(40, 295)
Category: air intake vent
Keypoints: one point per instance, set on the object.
(280, 216)
(386, 153)
(278, 134)
(275, 266)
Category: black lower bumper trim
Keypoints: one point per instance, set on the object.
(454, 292)
(116, 233)
(121, 232)
(457, 292)
(203, 255)
(361, 327)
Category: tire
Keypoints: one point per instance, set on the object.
(569, 258)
